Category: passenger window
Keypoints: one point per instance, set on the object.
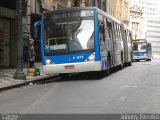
(109, 25)
(106, 32)
(120, 32)
(101, 31)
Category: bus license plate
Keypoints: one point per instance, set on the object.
(69, 67)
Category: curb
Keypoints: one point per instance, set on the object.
(42, 79)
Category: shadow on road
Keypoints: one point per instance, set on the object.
(81, 77)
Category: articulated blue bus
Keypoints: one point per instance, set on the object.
(142, 50)
(77, 40)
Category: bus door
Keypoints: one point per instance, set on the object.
(112, 51)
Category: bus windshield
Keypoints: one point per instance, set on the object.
(141, 47)
(68, 35)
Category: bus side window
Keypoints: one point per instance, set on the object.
(106, 32)
(130, 36)
(120, 32)
(110, 33)
(101, 35)
(149, 46)
(101, 31)
(126, 36)
(115, 31)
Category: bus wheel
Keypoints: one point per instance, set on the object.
(121, 65)
(105, 72)
(108, 71)
(129, 63)
(64, 76)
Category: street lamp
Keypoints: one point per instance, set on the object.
(19, 74)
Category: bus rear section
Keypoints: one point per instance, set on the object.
(141, 50)
(69, 43)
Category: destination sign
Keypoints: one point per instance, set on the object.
(68, 14)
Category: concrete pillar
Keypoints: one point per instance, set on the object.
(69, 3)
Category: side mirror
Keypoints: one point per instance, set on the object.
(37, 30)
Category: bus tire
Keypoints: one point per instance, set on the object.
(64, 76)
(129, 63)
(121, 65)
(108, 71)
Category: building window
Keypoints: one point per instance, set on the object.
(60, 6)
(77, 3)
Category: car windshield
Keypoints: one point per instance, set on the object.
(69, 36)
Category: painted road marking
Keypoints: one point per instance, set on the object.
(122, 98)
(134, 86)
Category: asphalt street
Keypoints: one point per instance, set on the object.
(135, 89)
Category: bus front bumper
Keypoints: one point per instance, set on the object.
(140, 57)
(72, 67)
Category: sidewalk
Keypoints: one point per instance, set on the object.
(7, 81)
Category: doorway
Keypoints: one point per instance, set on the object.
(4, 42)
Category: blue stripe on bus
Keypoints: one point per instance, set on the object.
(139, 53)
(97, 44)
(70, 58)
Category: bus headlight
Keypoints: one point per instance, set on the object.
(145, 54)
(91, 58)
(48, 61)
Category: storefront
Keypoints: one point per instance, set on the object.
(8, 37)
(4, 42)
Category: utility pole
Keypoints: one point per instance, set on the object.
(19, 74)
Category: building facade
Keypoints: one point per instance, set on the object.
(150, 8)
(151, 15)
(153, 35)
(8, 33)
(136, 22)
(119, 9)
